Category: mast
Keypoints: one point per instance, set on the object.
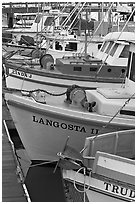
(109, 20)
(86, 27)
(79, 30)
(37, 31)
(102, 9)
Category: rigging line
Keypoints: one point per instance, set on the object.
(54, 19)
(70, 15)
(96, 135)
(75, 18)
(50, 162)
(62, 27)
(62, 11)
(114, 43)
(84, 184)
(98, 26)
(76, 15)
(62, 22)
(42, 25)
(52, 25)
(4, 49)
(65, 145)
(68, 29)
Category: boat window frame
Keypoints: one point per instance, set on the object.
(58, 46)
(77, 69)
(131, 66)
(125, 52)
(38, 18)
(104, 45)
(109, 47)
(69, 44)
(51, 21)
(113, 51)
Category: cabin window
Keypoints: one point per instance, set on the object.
(125, 52)
(71, 46)
(131, 66)
(18, 18)
(127, 112)
(114, 50)
(58, 46)
(99, 46)
(93, 69)
(103, 46)
(49, 21)
(38, 18)
(62, 19)
(77, 69)
(31, 17)
(109, 47)
(132, 74)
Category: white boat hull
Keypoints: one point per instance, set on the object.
(44, 129)
(100, 190)
(29, 81)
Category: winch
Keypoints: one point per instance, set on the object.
(77, 95)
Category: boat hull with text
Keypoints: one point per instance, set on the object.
(92, 72)
(109, 163)
(43, 128)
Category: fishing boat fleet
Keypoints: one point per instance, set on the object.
(76, 107)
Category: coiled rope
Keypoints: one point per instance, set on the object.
(84, 180)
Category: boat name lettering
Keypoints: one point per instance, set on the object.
(130, 193)
(62, 125)
(20, 73)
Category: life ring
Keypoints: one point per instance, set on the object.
(47, 62)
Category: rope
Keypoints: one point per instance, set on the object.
(84, 180)
(63, 26)
(50, 162)
(28, 91)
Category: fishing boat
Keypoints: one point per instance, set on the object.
(24, 20)
(44, 119)
(109, 66)
(57, 46)
(41, 23)
(54, 35)
(105, 171)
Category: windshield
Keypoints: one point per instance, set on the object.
(131, 66)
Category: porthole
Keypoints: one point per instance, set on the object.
(109, 70)
(122, 70)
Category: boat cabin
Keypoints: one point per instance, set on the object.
(110, 100)
(115, 48)
(24, 19)
(48, 22)
(110, 61)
